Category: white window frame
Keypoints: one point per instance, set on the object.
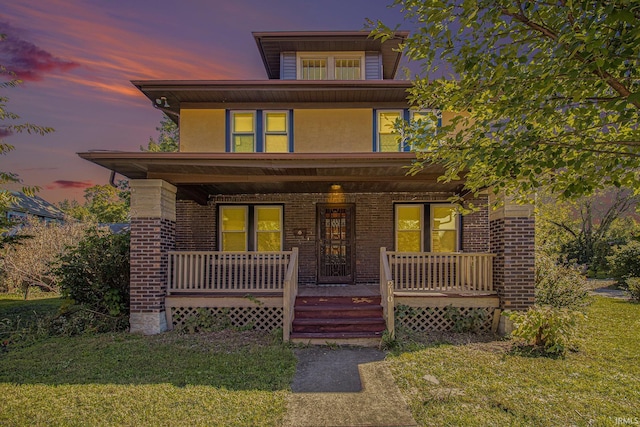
(330, 57)
(233, 133)
(378, 130)
(255, 224)
(265, 132)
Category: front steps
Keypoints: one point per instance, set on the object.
(341, 320)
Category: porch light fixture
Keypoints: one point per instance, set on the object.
(159, 101)
(336, 187)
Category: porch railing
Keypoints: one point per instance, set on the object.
(290, 293)
(219, 272)
(386, 292)
(441, 272)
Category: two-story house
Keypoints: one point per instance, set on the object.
(289, 201)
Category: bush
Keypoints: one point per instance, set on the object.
(95, 274)
(548, 328)
(625, 261)
(560, 286)
(27, 261)
(633, 288)
(471, 322)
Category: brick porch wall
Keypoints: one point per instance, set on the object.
(196, 225)
(512, 240)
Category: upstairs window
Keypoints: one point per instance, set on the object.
(259, 131)
(243, 131)
(330, 66)
(388, 139)
(314, 69)
(276, 132)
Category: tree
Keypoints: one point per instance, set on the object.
(28, 262)
(584, 230)
(168, 139)
(103, 204)
(9, 124)
(546, 94)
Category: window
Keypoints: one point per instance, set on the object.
(250, 228)
(314, 69)
(259, 131)
(276, 132)
(442, 234)
(348, 69)
(387, 138)
(330, 66)
(243, 132)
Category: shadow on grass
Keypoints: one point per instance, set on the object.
(234, 360)
(408, 341)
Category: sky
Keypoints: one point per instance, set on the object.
(76, 59)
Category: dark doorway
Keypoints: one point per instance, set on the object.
(336, 243)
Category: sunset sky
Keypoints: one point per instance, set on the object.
(77, 57)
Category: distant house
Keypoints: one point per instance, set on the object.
(24, 207)
(289, 206)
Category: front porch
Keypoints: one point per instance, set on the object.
(260, 290)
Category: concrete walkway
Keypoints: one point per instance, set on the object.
(345, 387)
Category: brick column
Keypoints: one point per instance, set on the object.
(153, 224)
(512, 233)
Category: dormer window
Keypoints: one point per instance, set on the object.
(330, 66)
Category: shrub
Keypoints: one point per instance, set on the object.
(27, 261)
(95, 274)
(545, 327)
(633, 288)
(625, 261)
(560, 286)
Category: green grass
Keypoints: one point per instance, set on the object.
(483, 384)
(38, 304)
(235, 378)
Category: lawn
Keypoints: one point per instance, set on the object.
(490, 384)
(243, 378)
(230, 378)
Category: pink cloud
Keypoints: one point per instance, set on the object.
(61, 183)
(26, 60)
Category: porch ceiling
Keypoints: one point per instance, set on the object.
(198, 175)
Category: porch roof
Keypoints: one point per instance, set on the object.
(198, 175)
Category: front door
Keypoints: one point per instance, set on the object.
(336, 243)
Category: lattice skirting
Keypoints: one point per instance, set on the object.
(262, 318)
(425, 319)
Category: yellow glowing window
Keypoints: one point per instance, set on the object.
(268, 228)
(276, 137)
(388, 139)
(233, 228)
(243, 132)
(409, 228)
(444, 228)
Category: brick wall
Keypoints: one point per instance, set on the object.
(151, 239)
(512, 240)
(196, 225)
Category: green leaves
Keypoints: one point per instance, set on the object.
(542, 94)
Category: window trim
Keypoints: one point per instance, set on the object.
(287, 131)
(232, 132)
(251, 226)
(331, 57)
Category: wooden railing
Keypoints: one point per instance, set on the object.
(386, 292)
(290, 293)
(219, 272)
(441, 272)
